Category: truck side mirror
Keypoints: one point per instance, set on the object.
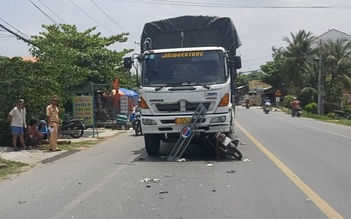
(127, 63)
(237, 62)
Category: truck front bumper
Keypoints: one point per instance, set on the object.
(166, 124)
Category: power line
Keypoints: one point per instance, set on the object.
(118, 25)
(263, 57)
(197, 4)
(18, 36)
(90, 16)
(15, 28)
(52, 11)
(46, 15)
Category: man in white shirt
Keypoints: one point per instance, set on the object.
(17, 118)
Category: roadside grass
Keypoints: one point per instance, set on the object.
(65, 145)
(346, 122)
(8, 167)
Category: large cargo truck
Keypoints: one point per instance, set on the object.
(186, 61)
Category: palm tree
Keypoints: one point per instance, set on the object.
(337, 69)
(299, 59)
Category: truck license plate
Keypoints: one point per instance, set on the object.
(182, 121)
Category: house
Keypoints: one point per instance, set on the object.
(29, 58)
(333, 35)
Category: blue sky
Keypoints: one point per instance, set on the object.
(261, 24)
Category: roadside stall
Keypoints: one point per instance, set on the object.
(124, 100)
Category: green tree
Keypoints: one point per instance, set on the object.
(76, 57)
(337, 70)
(296, 69)
(65, 58)
(273, 69)
(243, 79)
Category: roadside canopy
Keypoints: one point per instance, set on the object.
(128, 93)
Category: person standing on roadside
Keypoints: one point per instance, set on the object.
(17, 118)
(52, 115)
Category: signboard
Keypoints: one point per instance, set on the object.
(83, 108)
(124, 104)
(278, 93)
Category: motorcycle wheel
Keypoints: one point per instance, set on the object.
(76, 132)
(137, 130)
(234, 152)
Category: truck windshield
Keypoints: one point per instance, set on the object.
(183, 68)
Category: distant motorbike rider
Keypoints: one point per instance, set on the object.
(295, 105)
(137, 107)
(136, 113)
(266, 103)
(247, 103)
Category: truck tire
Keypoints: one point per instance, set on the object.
(152, 144)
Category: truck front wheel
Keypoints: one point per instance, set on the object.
(152, 144)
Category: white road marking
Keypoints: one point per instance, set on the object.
(88, 192)
(333, 133)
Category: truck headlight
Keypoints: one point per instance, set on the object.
(218, 119)
(149, 122)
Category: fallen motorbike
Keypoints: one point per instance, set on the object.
(296, 112)
(74, 128)
(137, 124)
(225, 146)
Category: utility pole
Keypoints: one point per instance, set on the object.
(320, 83)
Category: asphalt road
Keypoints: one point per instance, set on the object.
(298, 168)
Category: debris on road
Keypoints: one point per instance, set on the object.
(308, 200)
(181, 160)
(246, 160)
(169, 175)
(146, 180)
(209, 165)
(163, 192)
(213, 190)
(242, 143)
(231, 171)
(21, 202)
(148, 186)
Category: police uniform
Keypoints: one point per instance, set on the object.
(52, 112)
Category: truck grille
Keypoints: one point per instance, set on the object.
(175, 107)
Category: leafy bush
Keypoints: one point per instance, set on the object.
(308, 95)
(311, 108)
(330, 115)
(287, 100)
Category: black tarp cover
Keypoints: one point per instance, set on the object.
(198, 31)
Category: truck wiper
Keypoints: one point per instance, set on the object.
(158, 88)
(182, 88)
(206, 86)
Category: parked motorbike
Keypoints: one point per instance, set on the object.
(296, 112)
(226, 146)
(137, 124)
(74, 128)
